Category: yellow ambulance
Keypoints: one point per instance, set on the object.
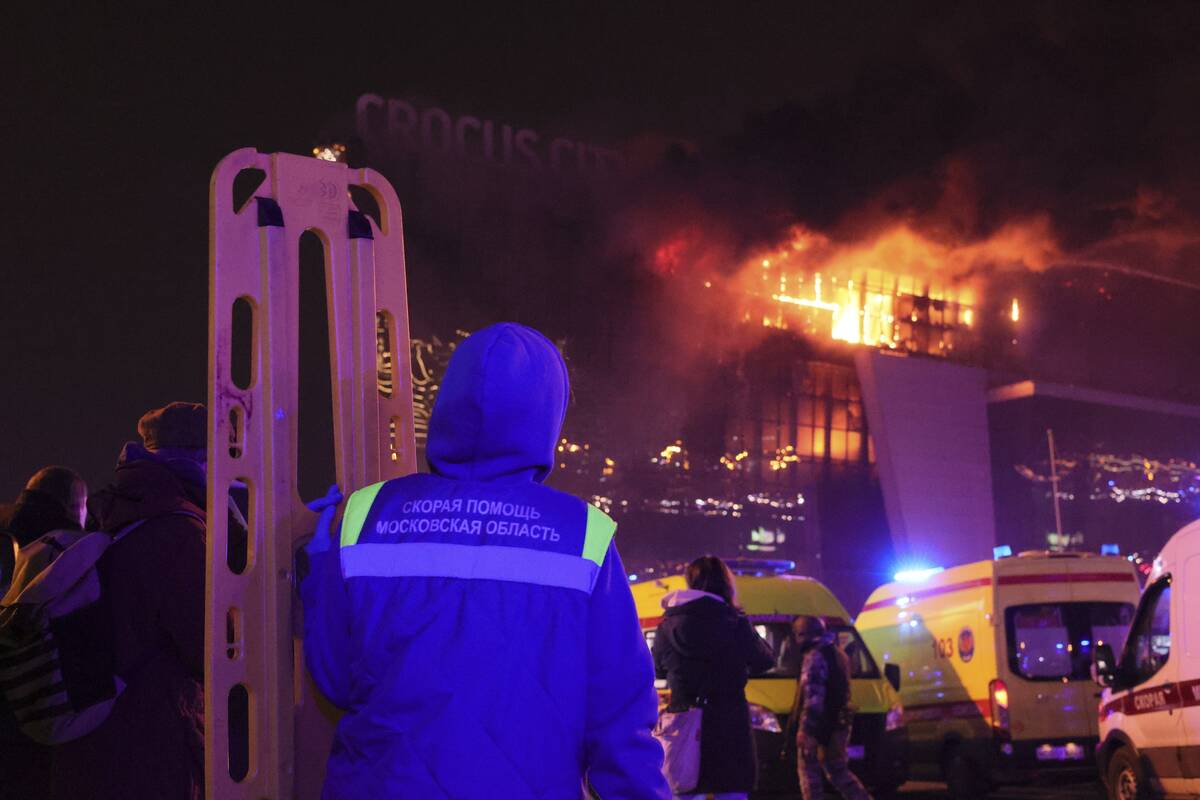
(996, 662)
(772, 598)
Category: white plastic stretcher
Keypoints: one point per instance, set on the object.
(253, 652)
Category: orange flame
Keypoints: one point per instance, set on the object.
(855, 291)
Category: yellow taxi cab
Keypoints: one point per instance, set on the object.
(772, 598)
(997, 662)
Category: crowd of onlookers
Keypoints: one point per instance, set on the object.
(151, 629)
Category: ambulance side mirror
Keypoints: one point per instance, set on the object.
(892, 673)
(1104, 665)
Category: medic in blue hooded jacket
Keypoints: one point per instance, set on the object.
(477, 626)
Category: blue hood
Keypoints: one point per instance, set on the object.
(500, 407)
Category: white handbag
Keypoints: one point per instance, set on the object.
(679, 734)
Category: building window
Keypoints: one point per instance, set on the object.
(814, 415)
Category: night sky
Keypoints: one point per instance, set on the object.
(113, 122)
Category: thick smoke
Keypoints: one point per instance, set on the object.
(1051, 160)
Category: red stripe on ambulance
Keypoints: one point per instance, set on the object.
(921, 594)
(1164, 697)
(1005, 580)
(1068, 577)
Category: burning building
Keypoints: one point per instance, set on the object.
(820, 393)
(858, 299)
(879, 384)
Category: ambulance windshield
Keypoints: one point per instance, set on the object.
(788, 656)
(1053, 641)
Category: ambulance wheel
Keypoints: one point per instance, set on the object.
(1126, 778)
(963, 778)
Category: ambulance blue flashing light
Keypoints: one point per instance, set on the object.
(1110, 549)
(918, 575)
(1003, 551)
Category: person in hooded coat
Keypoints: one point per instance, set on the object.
(477, 626)
(152, 582)
(707, 650)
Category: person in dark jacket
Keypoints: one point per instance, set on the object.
(477, 626)
(152, 580)
(54, 499)
(707, 650)
(822, 714)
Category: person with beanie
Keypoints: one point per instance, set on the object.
(152, 584)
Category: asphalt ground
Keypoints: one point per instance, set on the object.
(919, 790)
(1068, 791)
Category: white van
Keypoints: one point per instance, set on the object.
(1150, 706)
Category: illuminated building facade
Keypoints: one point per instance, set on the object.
(1125, 467)
(817, 418)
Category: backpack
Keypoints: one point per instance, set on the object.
(837, 698)
(57, 646)
(837, 690)
(837, 693)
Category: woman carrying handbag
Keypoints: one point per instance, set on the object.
(707, 650)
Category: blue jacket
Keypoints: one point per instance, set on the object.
(477, 626)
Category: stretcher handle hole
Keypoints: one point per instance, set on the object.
(385, 357)
(393, 441)
(316, 465)
(245, 183)
(237, 434)
(365, 201)
(233, 634)
(241, 350)
(239, 732)
(240, 531)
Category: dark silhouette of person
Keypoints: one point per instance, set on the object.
(152, 583)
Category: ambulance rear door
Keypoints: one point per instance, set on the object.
(1105, 592)
(1054, 613)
